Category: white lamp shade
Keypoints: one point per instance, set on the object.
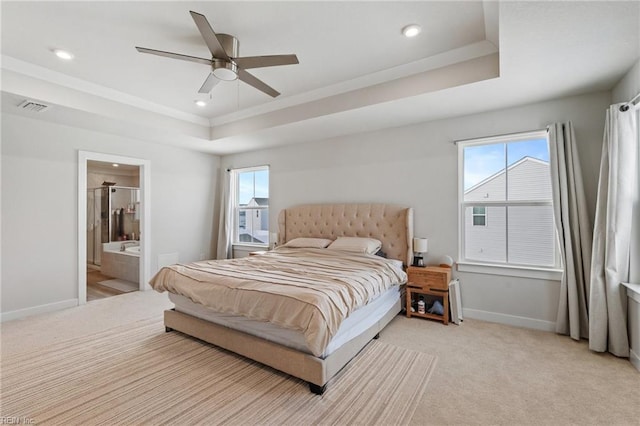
(420, 245)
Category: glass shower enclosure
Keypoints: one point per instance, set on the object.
(112, 215)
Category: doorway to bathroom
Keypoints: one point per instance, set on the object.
(113, 227)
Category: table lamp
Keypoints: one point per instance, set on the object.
(420, 246)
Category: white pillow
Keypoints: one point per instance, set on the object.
(356, 244)
(308, 243)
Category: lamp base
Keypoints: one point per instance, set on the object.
(418, 261)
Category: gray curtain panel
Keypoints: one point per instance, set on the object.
(225, 227)
(573, 229)
(617, 190)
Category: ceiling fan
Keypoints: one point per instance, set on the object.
(225, 63)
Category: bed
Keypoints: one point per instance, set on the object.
(240, 305)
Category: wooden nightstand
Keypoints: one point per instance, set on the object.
(432, 283)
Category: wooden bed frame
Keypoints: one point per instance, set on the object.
(391, 224)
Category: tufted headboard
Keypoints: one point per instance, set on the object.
(391, 224)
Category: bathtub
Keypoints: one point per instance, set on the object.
(124, 265)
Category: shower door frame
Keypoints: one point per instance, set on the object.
(145, 216)
(93, 227)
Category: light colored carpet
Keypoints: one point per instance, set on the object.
(121, 285)
(494, 374)
(138, 374)
(487, 374)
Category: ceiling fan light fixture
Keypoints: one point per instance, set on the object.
(225, 74)
(225, 71)
(411, 30)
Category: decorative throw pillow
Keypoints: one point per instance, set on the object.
(308, 243)
(356, 244)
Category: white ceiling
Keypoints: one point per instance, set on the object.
(356, 72)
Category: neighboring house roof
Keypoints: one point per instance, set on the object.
(501, 172)
(257, 201)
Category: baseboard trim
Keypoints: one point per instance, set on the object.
(516, 321)
(635, 359)
(35, 310)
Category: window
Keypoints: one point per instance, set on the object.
(251, 206)
(479, 216)
(507, 179)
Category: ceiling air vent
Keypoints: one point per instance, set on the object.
(33, 106)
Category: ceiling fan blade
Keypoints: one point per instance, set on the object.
(209, 36)
(174, 55)
(258, 84)
(249, 62)
(208, 84)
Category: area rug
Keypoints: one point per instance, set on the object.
(121, 285)
(139, 374)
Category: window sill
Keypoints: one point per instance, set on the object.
(249, 246)
(511, 271)
(633, 291)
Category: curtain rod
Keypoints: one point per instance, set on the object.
(248, 167)
(629, 104)
(506, 135)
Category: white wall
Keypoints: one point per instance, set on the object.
(39, 206)
(96, 178)
(417, 166)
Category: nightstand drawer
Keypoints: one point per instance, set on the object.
(430, 276)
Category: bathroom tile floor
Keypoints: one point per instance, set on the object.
(96, 291)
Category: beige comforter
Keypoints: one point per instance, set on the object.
(311, 290)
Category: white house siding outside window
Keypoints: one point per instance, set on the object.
(506, 212)
(252, 206)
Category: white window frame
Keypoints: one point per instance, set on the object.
(526, 271)
(236, 207)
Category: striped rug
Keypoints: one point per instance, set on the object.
(139, 374)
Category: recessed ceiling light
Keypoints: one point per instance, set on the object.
(63, 54)
(411, 30)
(115, 165)
(201, 104)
